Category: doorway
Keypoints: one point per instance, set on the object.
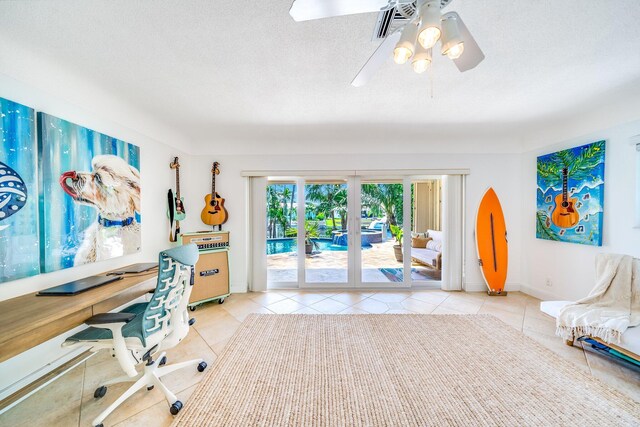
(353, 232)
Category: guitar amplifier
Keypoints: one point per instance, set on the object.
(211, 280)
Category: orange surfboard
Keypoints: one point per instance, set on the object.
(491, 242)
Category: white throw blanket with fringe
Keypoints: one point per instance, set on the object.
(610, 308)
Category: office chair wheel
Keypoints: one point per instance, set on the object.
(163, 361)
(202, 366)
(192, 308)
(150, 387)
(99, 425)
(221, 301)
(100, 392)
(175, 408)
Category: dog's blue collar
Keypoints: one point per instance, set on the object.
(119, 222)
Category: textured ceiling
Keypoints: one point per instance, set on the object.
(215, 69)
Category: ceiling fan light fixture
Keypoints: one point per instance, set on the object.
(421, 60)
(452, 43)
(406, 46)
(429, 32)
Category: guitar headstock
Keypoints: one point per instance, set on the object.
(175, 164)
(215, 170)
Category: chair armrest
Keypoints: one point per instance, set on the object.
(115, 322)
(104, 318)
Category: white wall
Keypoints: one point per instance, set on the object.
(156, 179)
(502, 171)
(155, 174)
(570, 268)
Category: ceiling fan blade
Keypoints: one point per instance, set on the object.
(472, 54)
(306, 10)
(382, 53)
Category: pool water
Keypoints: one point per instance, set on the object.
(281, 246)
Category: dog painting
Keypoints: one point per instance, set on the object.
(112, 187)
(90, 189)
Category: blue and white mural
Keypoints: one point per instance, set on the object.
(19, 254)
(570, 195)
(89, 195)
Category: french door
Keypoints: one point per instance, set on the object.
(343, 232)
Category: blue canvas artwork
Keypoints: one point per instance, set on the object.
(89, 195)
(19, 247)
(570, 195)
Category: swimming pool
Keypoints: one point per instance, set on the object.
(281, 246)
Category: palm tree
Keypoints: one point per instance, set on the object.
(285, 196)
(293, 196)
(272, 210)
(275, 212)
(324, 196)
(341, 207)
(385, 196)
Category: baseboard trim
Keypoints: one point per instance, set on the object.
(541, 294)
(238, 288)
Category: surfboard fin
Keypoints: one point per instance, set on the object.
(501, 293)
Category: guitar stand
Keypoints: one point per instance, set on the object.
(213, 227)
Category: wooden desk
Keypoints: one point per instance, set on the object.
(30, 320)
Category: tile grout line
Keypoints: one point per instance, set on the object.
(84, 373)
(524, 315)
(205, 341)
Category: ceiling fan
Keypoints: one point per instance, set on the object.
(422, 25)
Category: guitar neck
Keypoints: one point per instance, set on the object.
(178, 183)
(564, 185)
(213, 183)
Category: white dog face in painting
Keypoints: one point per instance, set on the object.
(113, 187)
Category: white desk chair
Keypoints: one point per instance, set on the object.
(141, 331)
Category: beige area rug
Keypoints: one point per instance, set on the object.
(396, 370)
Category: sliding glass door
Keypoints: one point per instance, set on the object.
(281, 227)
(326, 232)
(353, 231)
(380, 231)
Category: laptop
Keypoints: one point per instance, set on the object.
(78, 286)
(134, 268)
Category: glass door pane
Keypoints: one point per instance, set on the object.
(426, 230)
(326, 231)
(381, 221)
(282, 247)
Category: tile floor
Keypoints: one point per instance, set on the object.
(69, 401)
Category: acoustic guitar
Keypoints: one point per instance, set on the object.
(214, 212)
(565, 214)
(176, 210)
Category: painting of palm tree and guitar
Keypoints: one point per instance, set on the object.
(570, 195)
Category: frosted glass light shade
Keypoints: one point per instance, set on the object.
(407, 43)
(452, 43)
(421, 60)
(429, 32)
